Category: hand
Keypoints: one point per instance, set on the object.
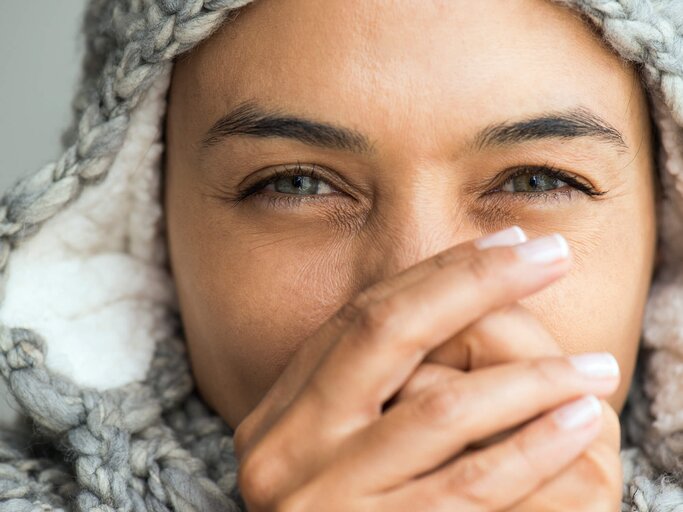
(330, 444)
(311, 352)
(513, 334)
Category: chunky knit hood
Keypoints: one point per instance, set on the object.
(97, 402)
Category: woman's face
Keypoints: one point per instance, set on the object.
(427, 123)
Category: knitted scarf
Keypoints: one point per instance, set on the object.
(140, 438)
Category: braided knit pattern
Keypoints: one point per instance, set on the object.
(649, 33)
(132, 40)
(154, 445)
(146, 446)
(149, 446)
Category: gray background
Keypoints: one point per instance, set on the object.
(40, 52)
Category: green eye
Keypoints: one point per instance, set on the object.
(532, 182)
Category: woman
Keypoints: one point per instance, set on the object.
(410, 250)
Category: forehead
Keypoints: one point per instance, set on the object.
(424, 64)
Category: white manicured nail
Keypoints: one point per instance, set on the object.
(510, 236)
(546, 249)
(577, 413)
(597, 364)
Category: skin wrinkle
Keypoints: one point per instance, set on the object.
(253, 281)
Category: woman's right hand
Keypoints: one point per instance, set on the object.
(333, 448)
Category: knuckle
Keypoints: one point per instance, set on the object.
(348, 312)
(422, 377)
(545, 371)
(487, 265)
(525, 462)
(481, 267)
(377, 320)
(444, 259)
(440, 404)
(472, 480)
(258, 479)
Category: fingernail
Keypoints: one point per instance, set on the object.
(510, 236)
(597, 364)
(546, 249)
(577, 413)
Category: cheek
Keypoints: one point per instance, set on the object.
(599, 304)
(252, 302)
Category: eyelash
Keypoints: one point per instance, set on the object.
(551, 172)
(291, 200)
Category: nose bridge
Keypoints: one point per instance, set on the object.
(417, 227)
(416, 241)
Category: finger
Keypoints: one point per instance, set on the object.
(513, 333)
(510, 333)
(418, 435)
(309, 354)
(426, 375)
(500, 475)
(596, 472)
(390, 337)
(348, 313)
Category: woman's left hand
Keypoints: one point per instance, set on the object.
(593, 481)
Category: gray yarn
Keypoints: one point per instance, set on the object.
(133, 448)
(154, 445)
(147, 446)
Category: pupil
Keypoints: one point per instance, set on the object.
(533, 181)
(297, 181)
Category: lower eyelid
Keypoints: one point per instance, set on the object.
(499, 200)
(283, 200)
(565, 191)
(559, 194)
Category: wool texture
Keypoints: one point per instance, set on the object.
(141, 438)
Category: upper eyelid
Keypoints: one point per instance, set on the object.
(530, 169)
(574, 180)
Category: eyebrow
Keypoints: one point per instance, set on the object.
(570, 124)
(248, 118)
(251, 119)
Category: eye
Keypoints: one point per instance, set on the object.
(532, 182)
(292, 185)
(288, 186)
(543, 181)
(301, 183)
